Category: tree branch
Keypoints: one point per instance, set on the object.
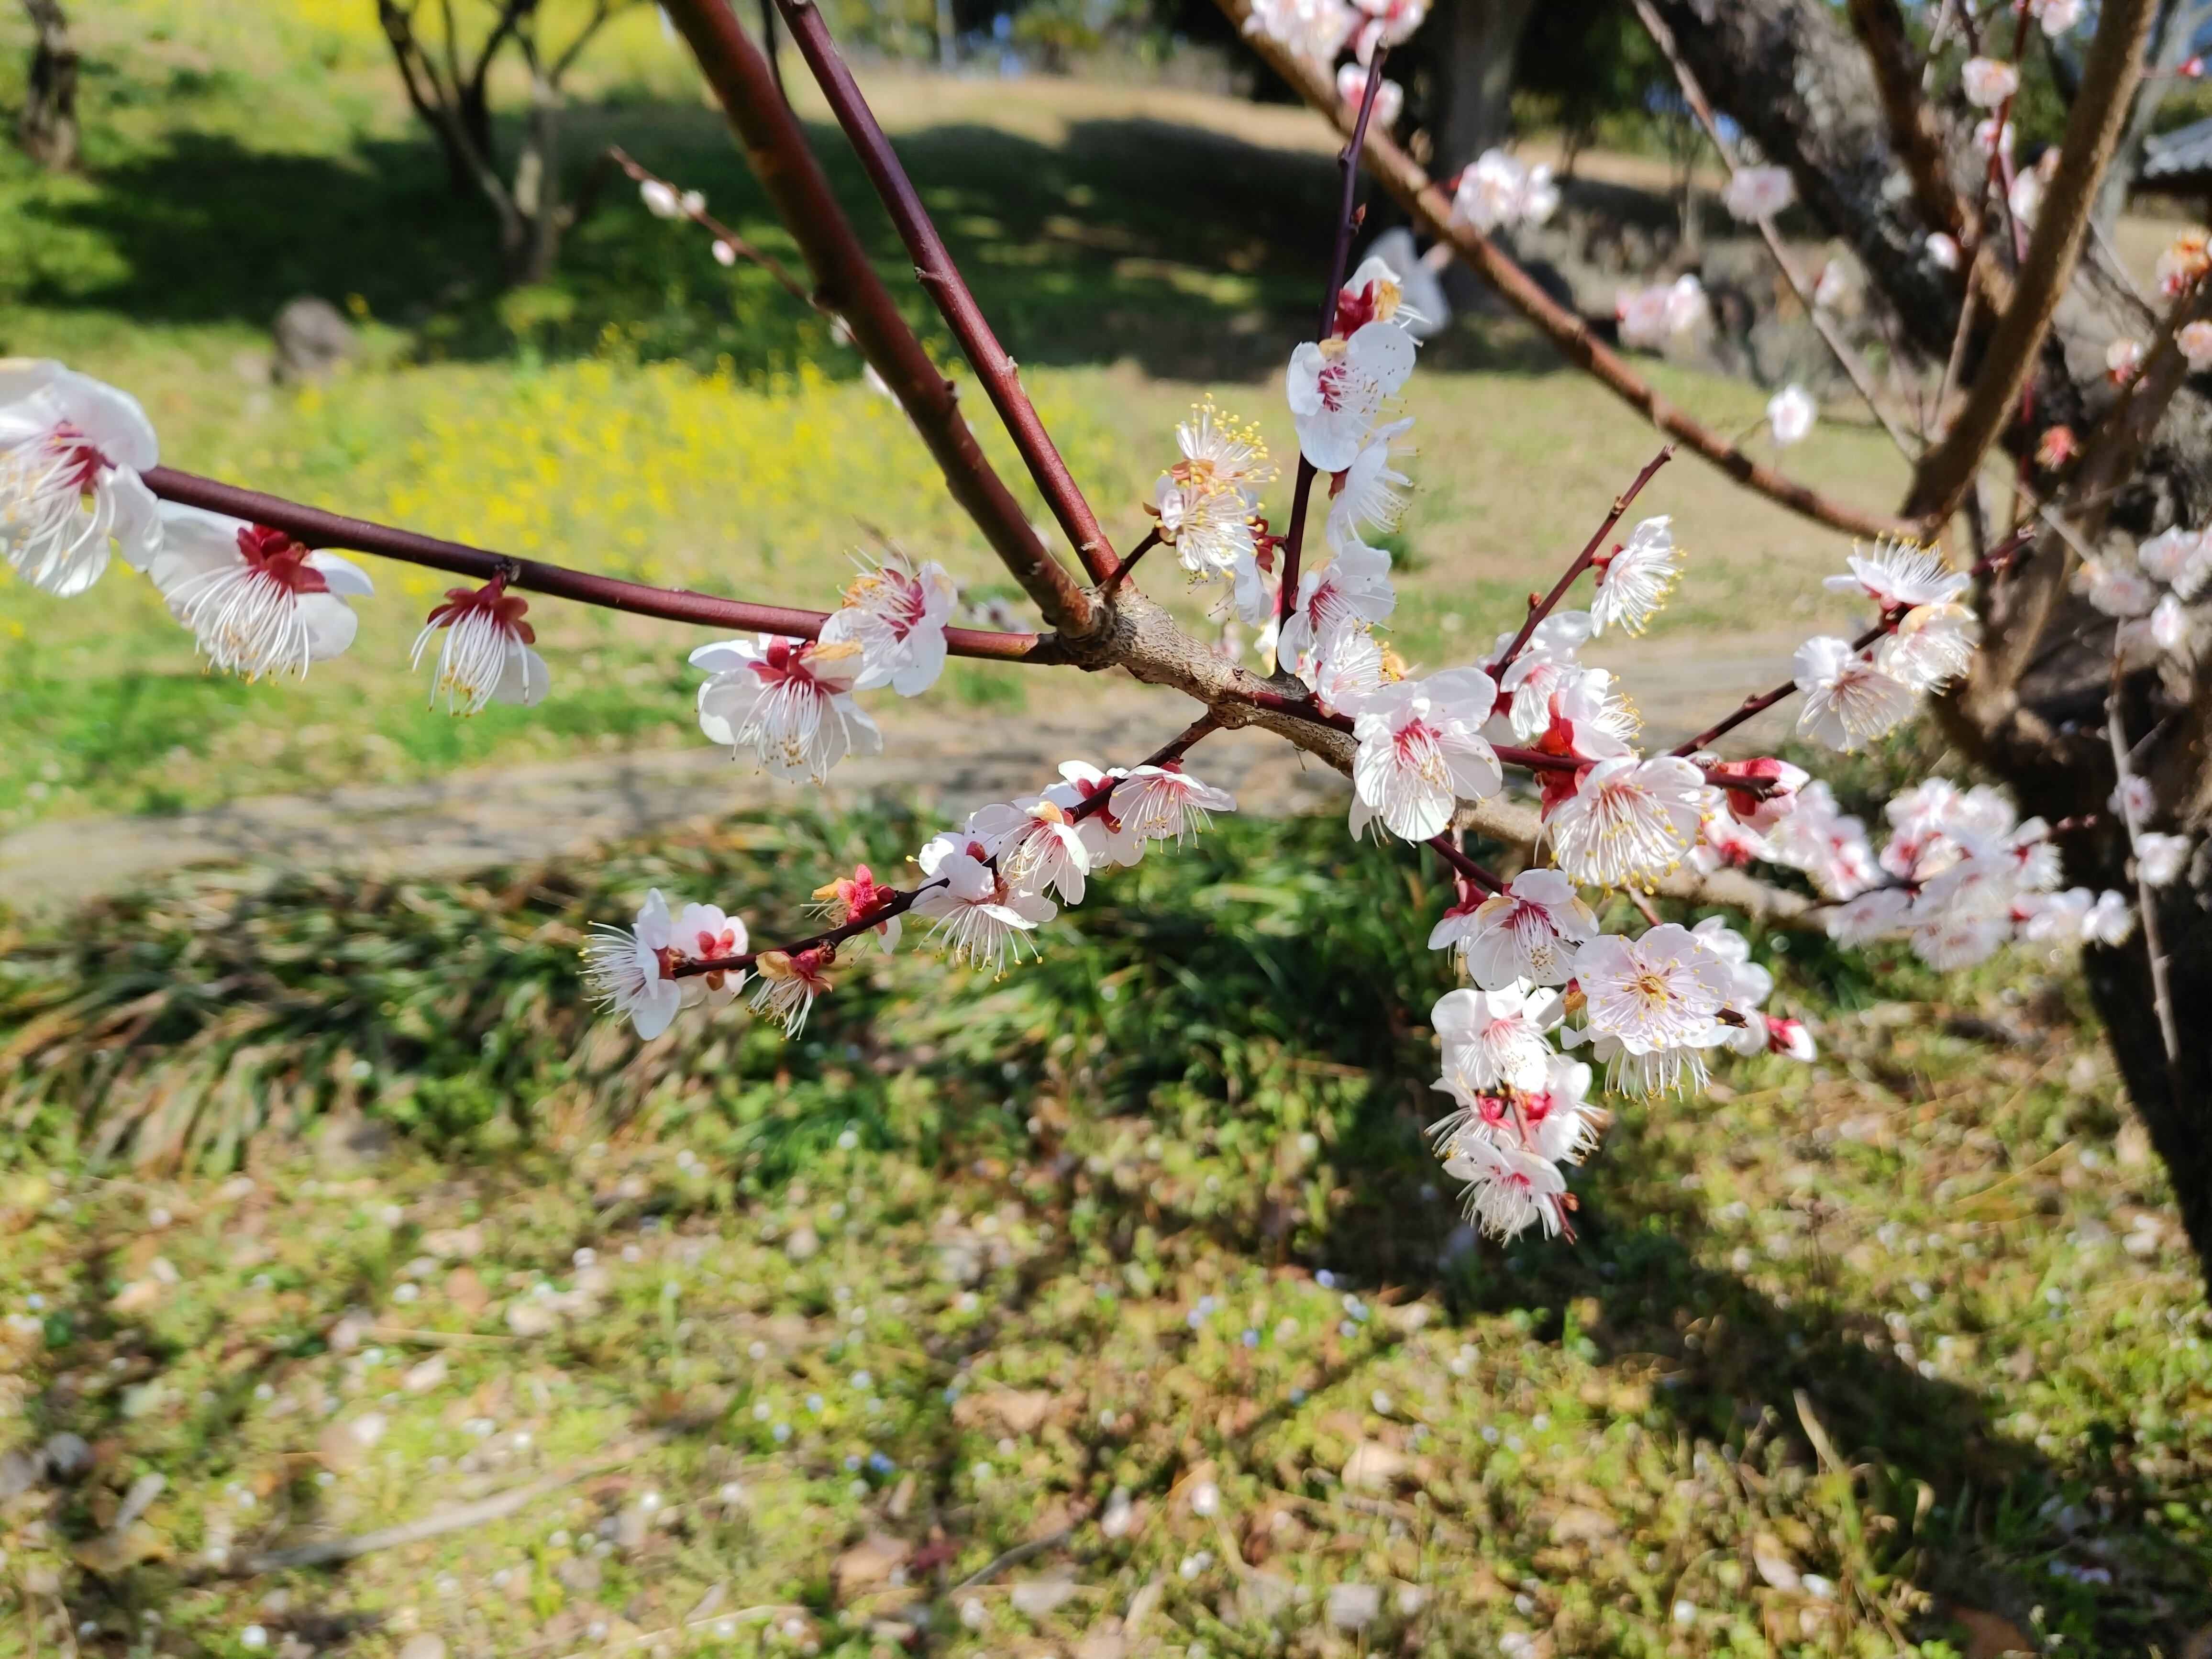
(776, 146)
(2093, 130)
(1411, 187)
(1913, 132)
(1539, 609)
(934, 269)
(317, 528)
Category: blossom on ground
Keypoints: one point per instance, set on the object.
(1336, 388)
(1496, 191)
(632, 970)
(1530, 932)
(2159, 858)
(1390, 97)
(1850, 700)
(1650, 316)
(2195, 342)
(71, 450)
(1508, 1190)
(1653, 1006)
(897, 617)
(1790, 414)
(1165, 803)
(2184, 262)
(259, 601)
(1635, 579)
(853, 898)
(789, 701)
(1898, 575)
(1630, 821)
(1756, 193)
(785, 984)
(1988, 81)
(2180, 558)
(1942, 251)
(1370, 494)
(1421, 749)
(1495, 1039)
(2123, 357)
(1037, 843)
(1313, 30)
(484, 654)
(979, 913)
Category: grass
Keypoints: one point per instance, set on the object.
(1152, 1216)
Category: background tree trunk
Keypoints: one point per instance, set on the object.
(48, 129)
(1474, 43)
(1791, 75)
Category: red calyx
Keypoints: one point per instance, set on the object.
(507, 608)
(275, 555)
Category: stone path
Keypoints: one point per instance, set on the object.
(473, 820)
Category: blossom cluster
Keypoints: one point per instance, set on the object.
(2153, 598)
(1316, 31)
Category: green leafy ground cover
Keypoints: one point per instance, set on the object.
(1904, 1347)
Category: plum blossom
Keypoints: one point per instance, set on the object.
(2123, 357)
(1107, 841)
(1036, 842)
(484, 654)
(2167, 632)
(1827, 844)
(662, 202)
(898, 618)
(1630, 821)
(1530, 932)
(1899, 575)
(1509, 1190)
(1835, 287)
(1586, 720)
(1165, 803)
(1790, 414)
(1653, 1005)
(2180, 558)
(2024, 198)
(259, 602)
(1206, 502)
(1850, 700)
(1370, 494)
(1942, 251)
(1775, 798)
(1989, 82)
(786, 983)
(1495, 1039)
(979, 913)
(1756, 193)
(2057, 16)
(2183, 263)
(789, 701)
(2074, 916)
(1635, 579)
(2114, 588)
(1542, 666)
(1345, 668)
(2055, 447)
(1388, 23)
(1650, 316)
(855, 898)
(1313, 30)
(1336, 388)
(71, 450)
(2195, 342)
(1497, 193)
(1874, 914)
(1420, 750)
(1390, 97)
(1990, 137)
(1353, 590)
(1931, 645)
(632, 970)
(2159, 858)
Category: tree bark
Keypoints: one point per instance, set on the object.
(2034, 713)
(1474, 42)
(48, 129)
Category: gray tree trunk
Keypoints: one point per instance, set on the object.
(48, 128)
(1473, 43)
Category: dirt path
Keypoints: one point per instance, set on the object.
(473, 820)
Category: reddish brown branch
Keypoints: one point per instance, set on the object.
(1465, 866)
(1430, 209)
(898, 905)
(1583, 561)
(319, 528)
(776, 146)
(934, 269)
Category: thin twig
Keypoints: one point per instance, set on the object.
(315, 527)
(1539, 609)
(776, 146)
(2161, 993)
(1012, 1558)
(1122, 570)
(941, 278)
(721, 233)
(1431, 211)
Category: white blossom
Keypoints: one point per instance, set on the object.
(1931, 645)
(1036, 842)
(2180, 558)
(259, 602)
(1353, 590)
(1650, 316)
(1420, 750)
(898, 618)
(1508, 1190)
(1635, 579)
(785, 984)
(1497, 193)
(2195, 342)
(1165, 803)
(982, 915)
(484, 654)
(1990, 137)
(1989, 82)
(1828, 845)
(2124, 356)
(631, 971)
(1790, 414)
(1529, 933)
(1387, 23)
(1495, 1039)
(1849, 701)
(1654, 1004)
(1370, 494)
(1390, 97)
(1835, 287)
(1898, 575)
(71, 450)
(1756, 193)
(1107, 841)
(788, 700)
(1314, 30)
(1336, 388)
(1942, 251)
(2057, 16)
(2159, 858)
(2114, 588)
(1630, 821)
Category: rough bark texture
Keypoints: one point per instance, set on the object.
(2033, 711)
(1474, 41)
(48, 128)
